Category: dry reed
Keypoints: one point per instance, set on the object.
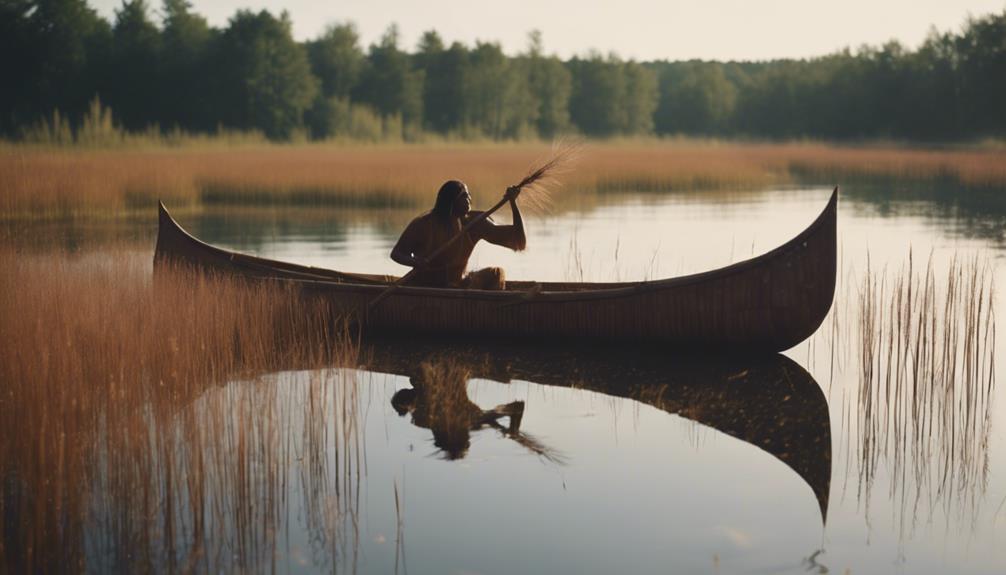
(926, 377)
(124, 446)
(38, 182)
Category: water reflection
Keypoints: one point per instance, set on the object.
(771, 403)
(438, 400)
(212, 482)
(923, 411)
(220, 481)
(205, 485)
(975, 213)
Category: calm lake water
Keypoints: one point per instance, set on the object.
(629, 461)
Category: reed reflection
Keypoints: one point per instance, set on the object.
(923, 412)
(769, 402)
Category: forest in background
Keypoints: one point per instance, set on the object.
(67, 69)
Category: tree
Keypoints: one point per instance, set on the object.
(598, 95)
(550, 85)
(981, 49)
(641, 97)
(337, 60)
(445, 77)
(264, 77)
(696, 98)
(18, 61)
(134, 91)
(53, 55)
(185, 45)
(390, 83)
(497, 103)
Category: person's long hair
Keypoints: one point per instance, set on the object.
(443, 209)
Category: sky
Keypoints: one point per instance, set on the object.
(633, 29)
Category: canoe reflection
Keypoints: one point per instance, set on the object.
(769, 402)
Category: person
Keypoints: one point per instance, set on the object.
(450, 214)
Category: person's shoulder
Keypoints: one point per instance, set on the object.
(422, 219)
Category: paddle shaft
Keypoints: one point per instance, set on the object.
(476, 220)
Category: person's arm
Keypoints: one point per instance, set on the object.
(404, 251)
(512, 236)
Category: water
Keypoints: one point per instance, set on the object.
(623, 461)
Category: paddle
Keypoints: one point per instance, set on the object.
(533, 182)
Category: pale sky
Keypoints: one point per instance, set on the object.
(637, 29)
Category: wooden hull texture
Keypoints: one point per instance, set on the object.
(768, 303)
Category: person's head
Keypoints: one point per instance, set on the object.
(453, 200)
(404, 401)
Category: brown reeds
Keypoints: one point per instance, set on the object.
(541, 181)
(136, 432)
(926, 377)
(39, 182)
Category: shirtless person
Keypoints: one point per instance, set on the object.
(449, 215)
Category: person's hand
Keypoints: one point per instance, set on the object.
(512, 192)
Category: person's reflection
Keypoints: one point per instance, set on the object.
(438, 401)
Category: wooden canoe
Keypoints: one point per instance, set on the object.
(769, 303)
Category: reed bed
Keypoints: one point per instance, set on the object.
(922, 415)
(41, 182)
(138, 433)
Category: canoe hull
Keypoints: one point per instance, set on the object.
(766, 304)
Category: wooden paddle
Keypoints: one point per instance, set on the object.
(532, 182)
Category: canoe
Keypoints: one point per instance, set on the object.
(769, 303)
(768, 401)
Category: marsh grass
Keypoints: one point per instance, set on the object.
(48, 182)
(138, 433)
(926, 378)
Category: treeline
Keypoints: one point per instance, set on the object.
(58, 56)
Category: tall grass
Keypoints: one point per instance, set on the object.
(121, 447)
(42, 181)
(926, 377)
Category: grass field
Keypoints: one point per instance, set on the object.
(54, 182)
